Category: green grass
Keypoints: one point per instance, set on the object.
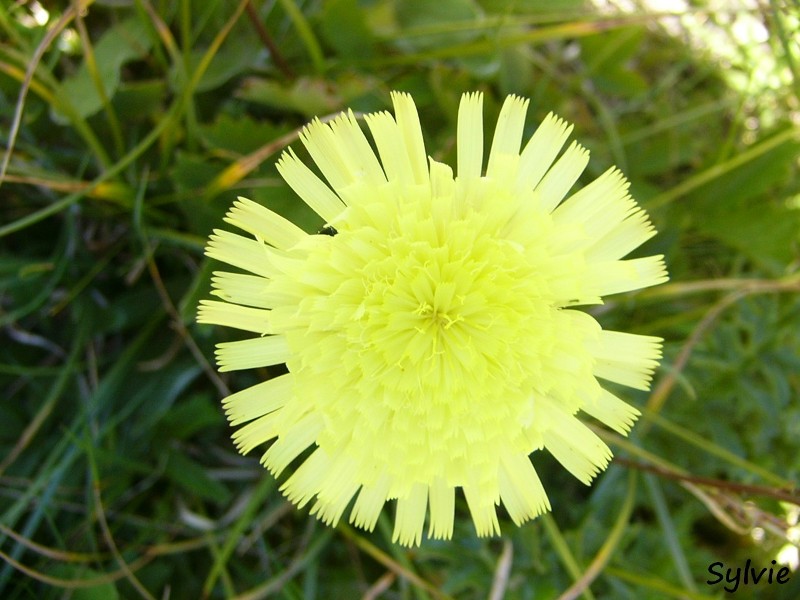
(128, 131)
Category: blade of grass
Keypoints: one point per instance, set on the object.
(789, 46)
(235, 533)
(97, 80)
(222, 573)
(43, 85)
(41, 550)
(190, 114)
(10, 32)
(713, 449)
(100, 515)
(607, 549)
(718, 170)
(306, 34)
(71, 583)
(674, 121)
(495, 24)
(42, 488)
(400, 554)
(86, 279)
(264, 35)
(56, 465)
(502, 571)
(790, 283)
(45, 410)
(64, 450)
(180, 61)
(668, 529)
(564, 553)
(394, 564)
(33, 64)
(122, 163)
(781, 494)
(60, 262)
(657, 585)
(539, 35)
(279, 581)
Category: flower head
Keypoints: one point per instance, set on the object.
(431, 342)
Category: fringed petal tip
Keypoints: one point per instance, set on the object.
(322, 479)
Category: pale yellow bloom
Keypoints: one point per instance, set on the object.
(431, 343)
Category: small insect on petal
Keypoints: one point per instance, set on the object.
(327, 230)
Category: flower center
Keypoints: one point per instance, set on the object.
(421, 330)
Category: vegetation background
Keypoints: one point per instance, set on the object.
(129, 127)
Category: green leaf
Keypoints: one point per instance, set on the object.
(190, 416)
(193, 171)
(434, 18)
(122, 43)
(194, 478)
(340, 16)
(241, 135)
(620, 81)
(233, 58)
(611, 50)
(308, 96)
(746, 208)
(662, 152)
(101, 591)
(140, 100)
(531, 6)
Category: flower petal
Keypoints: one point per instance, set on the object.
(356, 151)
(338, 150)
(293, 440)
(612, 223)
(469, 136)
(254, 320)
(612, 277)
(521, 489)
(483, 513)
(257, 432)
(442, 502)
(576, 447)
(303, 485)
(626, 358)
(391, 147)
(410, 517)
(258, 400)
(239, 251)
(369, 503)
(408, 121)
(562, 176)
(508, 133)
(541, 150)
(610, 410)
(248, 290)
(253, 353)
(266, 225)
(311, 189)
(336, 488)
(624, 237)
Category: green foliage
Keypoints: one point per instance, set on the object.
(139, 124)
(90, 87)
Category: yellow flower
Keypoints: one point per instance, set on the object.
(430, 340)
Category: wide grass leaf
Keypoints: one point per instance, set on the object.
(122, 43)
